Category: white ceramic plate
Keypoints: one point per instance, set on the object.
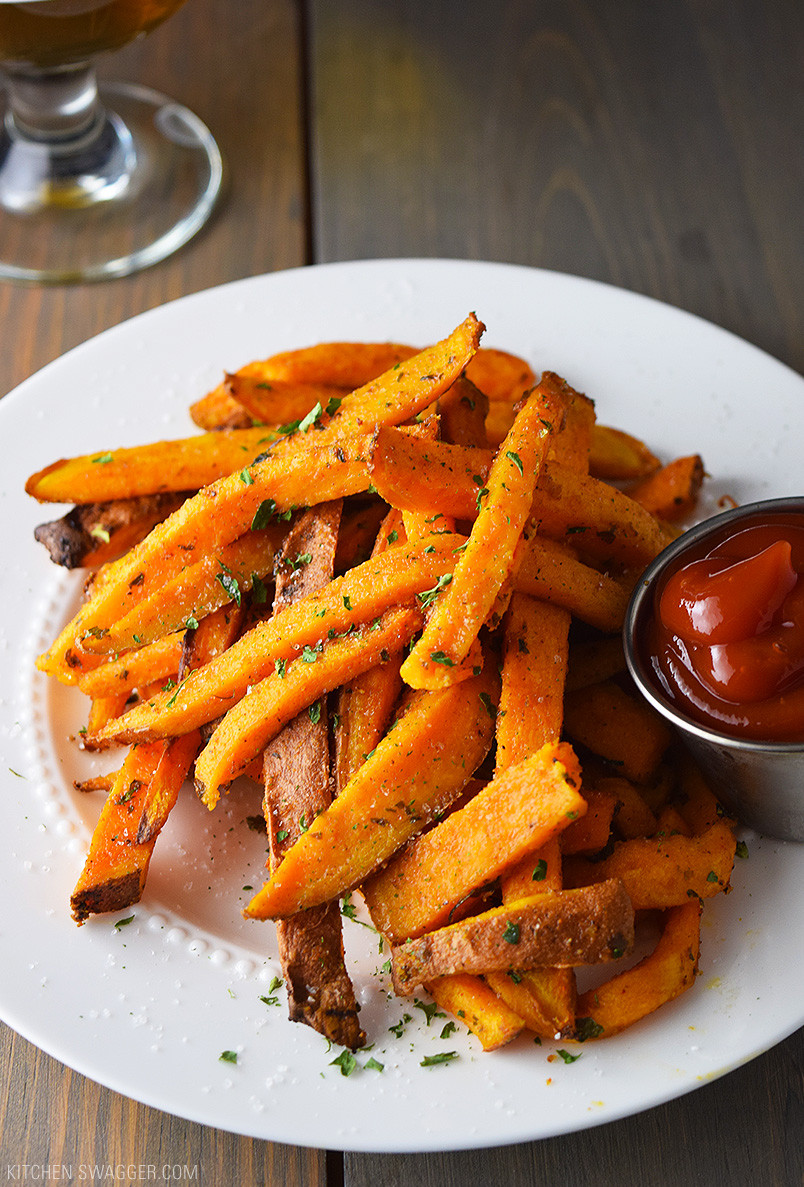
(148, 1008)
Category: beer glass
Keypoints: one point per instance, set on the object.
(95, 182)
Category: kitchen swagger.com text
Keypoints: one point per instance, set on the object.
(101, 1172)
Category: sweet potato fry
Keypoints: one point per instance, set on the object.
(488, 560)
(634, 816)
(462, 411)
(472, 1001)
(217, 411)
(516, 813)
(416, 771)
(361, 595)
(296, 787)
(590, 833)
(431, 476)
(279, 404)
(365, 704)
(534, 667)
(133, 669)
(594, 661)
(667, 972)
(551, 571)
(217, 579)
(144, 789)
(140, 470)
(531, 713)
(216, 516)
(543, 998)
(346, 365)
(269, 705)
(398, 394)
(671, 492)
(564, 929)
(500, 375)
(93, 534)
(618, 456)
(661, 872)
(618, 727)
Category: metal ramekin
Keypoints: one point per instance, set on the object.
(762, 783)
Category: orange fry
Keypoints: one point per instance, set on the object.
(488, 560)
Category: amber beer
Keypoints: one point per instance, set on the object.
(46, 33)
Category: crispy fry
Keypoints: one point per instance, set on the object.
(671, 492)
(534, 667)
(619, 456)
(566, 928)
(215, 517)
(667, 972)
(462, 412)
(516, 813)
(141, 470)
(269, 705)
(144, 789)
(399, 393)
(346, 365)
(425, 476)
(361, 595)
(618, 727)
(278, 404)
(552, 572)
(591, 832)
(296, 788)
(472, 1001)
(416, 771)
(500, 375)
(663, 872)
(488, 560)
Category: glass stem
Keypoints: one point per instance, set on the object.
(58, 107)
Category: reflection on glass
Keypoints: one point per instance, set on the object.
(92, 184)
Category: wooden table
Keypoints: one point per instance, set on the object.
(657, 147)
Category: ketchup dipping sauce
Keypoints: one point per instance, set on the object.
(714, 638)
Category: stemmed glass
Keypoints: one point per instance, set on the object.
(95, 182)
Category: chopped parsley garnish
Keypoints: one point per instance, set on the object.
(511, 932)
(516, 459)
(539, 871)
(565, 1055)
(587, 1028)
(345, 1061)
(442, 1057)
(123, 922)
(228, 1057)
(441, 657)
(310, 419)
(429, 595)
(259, 590)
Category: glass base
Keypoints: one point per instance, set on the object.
(62, 227)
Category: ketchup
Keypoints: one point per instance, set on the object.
(726, 641)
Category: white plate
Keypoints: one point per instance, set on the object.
(148, 1009)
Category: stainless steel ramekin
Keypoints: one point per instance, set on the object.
(762, 783)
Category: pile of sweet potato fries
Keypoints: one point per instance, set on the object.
(387, 584)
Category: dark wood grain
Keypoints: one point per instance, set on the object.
(656, 147)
